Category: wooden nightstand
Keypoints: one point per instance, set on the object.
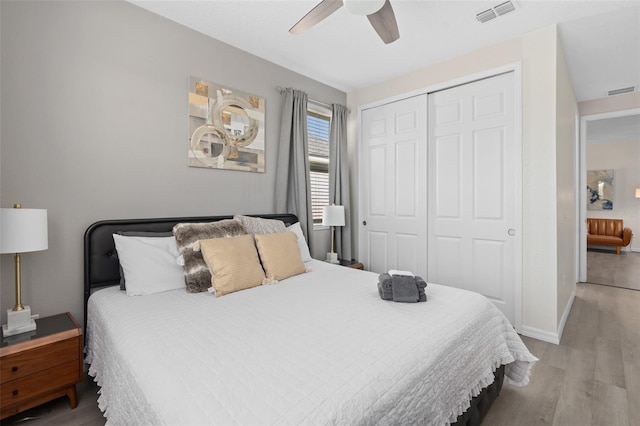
(40, 365)
(352, 264)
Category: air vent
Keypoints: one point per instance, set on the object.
(621, 91)
(485, 16)
(503, 8)
(495, 11)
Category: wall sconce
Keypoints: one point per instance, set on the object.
(637, 192)
(21, 231)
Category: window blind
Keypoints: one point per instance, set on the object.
(318, 136)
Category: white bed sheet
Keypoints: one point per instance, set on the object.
(319, 348)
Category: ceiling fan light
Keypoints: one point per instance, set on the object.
(363, 7)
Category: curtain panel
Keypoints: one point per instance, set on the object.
(293, 185)
(339, 177)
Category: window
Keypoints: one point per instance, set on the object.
(318, 121)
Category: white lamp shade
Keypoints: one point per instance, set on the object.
(23, 230)
(637, 192)
(333, 215)
(363, 7)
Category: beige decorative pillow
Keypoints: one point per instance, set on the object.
(233, 262)
(197, 277)
(258, 225)
(280, 255)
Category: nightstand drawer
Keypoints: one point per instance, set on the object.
(38, 359)
(18, 390)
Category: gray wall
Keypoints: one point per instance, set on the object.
(94, 126)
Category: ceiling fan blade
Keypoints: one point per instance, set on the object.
(317, 14)
(384, 22)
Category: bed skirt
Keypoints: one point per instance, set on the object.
(480, 404)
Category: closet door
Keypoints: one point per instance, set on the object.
(474, 235)
(393, 225)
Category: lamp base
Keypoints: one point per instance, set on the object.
(332, 258)
(18, 322)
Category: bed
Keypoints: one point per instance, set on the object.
(317, 348)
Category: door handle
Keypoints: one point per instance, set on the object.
(364, 223)
(511, 232)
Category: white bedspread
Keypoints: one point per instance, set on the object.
(319, 348)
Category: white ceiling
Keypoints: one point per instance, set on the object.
(601, 39)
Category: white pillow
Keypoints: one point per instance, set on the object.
(149, 264)
(302, 242)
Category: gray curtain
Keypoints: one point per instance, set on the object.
(339, 177)
(293, 186)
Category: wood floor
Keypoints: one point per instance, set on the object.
(608, 268)
(591, 378)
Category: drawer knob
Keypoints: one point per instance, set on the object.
(14, 368)
(15, 392)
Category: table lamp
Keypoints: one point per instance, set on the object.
(332, 216)
(21, 231)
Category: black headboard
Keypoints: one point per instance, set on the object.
(101, 267)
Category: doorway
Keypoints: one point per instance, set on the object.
(610, 144)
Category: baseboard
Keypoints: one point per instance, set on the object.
(548, 336)
(565, 314)
(545, 336)
(612, 249)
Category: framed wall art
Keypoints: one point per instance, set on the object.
(600, 190)
(226, 128)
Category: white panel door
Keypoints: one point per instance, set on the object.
(393, 226)
(474, 240)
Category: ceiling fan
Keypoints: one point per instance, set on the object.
(379, 12)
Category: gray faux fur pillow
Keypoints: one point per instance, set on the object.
(258, 225)
(197, 277)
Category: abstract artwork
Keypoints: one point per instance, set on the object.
(226, 128)
(600, 190)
